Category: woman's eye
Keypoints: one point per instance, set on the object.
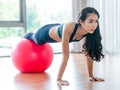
(96, 21)
(93, 22)
(90, 21)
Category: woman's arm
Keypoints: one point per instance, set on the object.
(65, 49)
(90, 70)
(90, 66)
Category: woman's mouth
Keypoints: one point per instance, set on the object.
(92, 30)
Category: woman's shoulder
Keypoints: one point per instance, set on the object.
(69, 27)
(72, 24)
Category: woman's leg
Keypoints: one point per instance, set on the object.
(30, 36)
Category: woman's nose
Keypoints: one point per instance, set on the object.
(94, 25)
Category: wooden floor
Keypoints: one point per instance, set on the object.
(76, 74)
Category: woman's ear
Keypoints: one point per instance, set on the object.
(80, 21)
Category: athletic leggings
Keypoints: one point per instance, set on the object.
(41, 36)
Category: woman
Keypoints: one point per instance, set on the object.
(87, 26)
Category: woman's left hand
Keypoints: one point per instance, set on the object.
(97, 79)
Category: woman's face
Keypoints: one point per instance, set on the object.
(90, 24)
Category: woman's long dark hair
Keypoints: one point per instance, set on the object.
(92, 44)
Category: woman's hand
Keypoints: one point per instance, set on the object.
(96, 79)
(63, 82)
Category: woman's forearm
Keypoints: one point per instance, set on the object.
(90, 66)
(62, 68)
(90, 70)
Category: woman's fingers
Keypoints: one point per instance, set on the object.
(63, 83)
(97, 79)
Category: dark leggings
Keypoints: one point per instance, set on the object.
(41, 36)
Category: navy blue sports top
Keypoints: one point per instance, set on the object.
(60, 29)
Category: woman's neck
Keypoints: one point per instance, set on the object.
(82, 31)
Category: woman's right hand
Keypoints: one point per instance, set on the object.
(63, 83)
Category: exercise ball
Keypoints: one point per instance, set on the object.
(27, 56)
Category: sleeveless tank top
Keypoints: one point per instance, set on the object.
(60, 29)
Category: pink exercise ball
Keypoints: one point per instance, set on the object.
(30, 57)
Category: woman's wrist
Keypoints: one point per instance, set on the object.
(91, 77)
(58, 79)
